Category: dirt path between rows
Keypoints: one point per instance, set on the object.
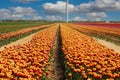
(22, 40)
(57, 66)
(110, 45)
(19, 42)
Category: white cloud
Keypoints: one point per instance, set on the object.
(24, 1)
(19, 13)
(94, 6)
(54, 18)
(37, 17)
(78, 18)
(4, 13)
(96, 14)
(99, 6)
(94, 10)
(57, 8)
(23, 10)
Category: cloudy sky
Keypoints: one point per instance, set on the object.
(80, 10)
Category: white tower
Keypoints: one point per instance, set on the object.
(67, 12)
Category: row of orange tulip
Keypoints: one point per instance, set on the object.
(105, 32)
(115, 31)
(19, 32)
(86, 59)
(30, 60)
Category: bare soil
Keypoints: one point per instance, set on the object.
(19, 42)
(57, 66)
(110, 45)
(57, 69)
(23, 40)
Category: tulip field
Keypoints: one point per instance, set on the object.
(19, 32)
(100, 24)
(7, 35)
(87, 59)
(82, 57)
(28, 61)
(109, 33)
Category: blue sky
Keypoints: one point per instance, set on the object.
(80, 10)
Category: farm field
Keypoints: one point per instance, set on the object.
(9, 26)
(21, 30)
(61, 51)
(107, 33)
(28, 61)
(60, 40)
(100, 24)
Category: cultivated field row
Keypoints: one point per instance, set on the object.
(112, 34)
(82, 57)
(100, 24)
(19, 32)
(87, 59)
(28, 61)
(103, 29)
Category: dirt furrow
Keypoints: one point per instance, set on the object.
(110, 45)
(19, 42)
(57, 66)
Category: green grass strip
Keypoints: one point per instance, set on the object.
(12, 39)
